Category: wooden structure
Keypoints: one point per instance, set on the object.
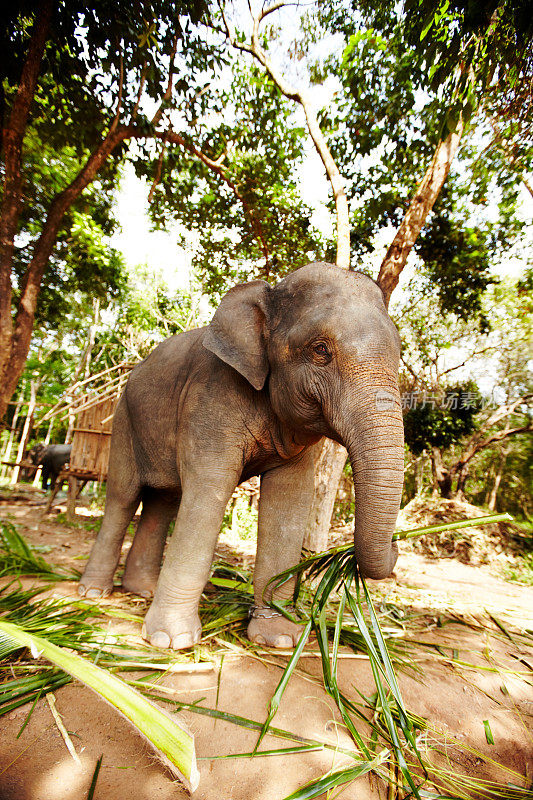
(91, 440)
(91, 443)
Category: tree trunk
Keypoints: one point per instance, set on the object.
(491, 504)
(459, 492)
(442, 476)
(13, 357)
(416, 215)
(12, 140)
(333, 457)
(328, 471)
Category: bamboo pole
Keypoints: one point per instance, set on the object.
(47, 438)
(7, 451)
(34, 385)
(63, 404)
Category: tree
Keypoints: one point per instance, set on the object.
(465, 48)
(451, 421)
(412, 81)
(245, 219)
(78, 82)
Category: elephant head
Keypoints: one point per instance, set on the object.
(324, 348)
(36, 453)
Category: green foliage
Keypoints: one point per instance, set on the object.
(18, 558)
(434, 424)
(82, 262)
(240, 519)
(397, 88)
(252, 222)
(466, 45)
(457, 261)
(521, 569)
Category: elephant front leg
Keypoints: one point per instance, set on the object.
(285, 500)
(172, 619)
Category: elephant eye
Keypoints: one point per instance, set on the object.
(321, 349)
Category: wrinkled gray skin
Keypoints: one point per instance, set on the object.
(53, 458)
(252, 393)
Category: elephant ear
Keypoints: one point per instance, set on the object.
(237, 331)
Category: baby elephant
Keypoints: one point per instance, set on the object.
(53, 458)
(253, 393)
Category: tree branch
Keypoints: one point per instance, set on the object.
(498, 436)
(115, 122)
(216, 167)
(477, 443)
(335, 178)
(168, 92)
(157, 176)
(139, 93)
(419, 208)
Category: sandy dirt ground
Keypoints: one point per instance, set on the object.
(454, 697)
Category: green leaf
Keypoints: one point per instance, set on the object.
(337, 778)
(276, 697)
(488, 733)
(174, 744)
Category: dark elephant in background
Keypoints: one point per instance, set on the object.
(253, 393)
(52, 458)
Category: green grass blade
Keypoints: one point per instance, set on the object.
(382, 667)
(337, 778)
(96, 772)
(412, 533)
(16, 693)
(30, 712)
(174, 744)
(276, 697)
(18, 558)
(244, 722)
(282, 751)
(488, 733)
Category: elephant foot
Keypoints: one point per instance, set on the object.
(169, 630)
(140, 584)
(272, 629)
(94, 587)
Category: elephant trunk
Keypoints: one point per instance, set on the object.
(376, 452)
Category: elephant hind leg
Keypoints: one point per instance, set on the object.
(97, 578)
(143, 564)
(122, 499)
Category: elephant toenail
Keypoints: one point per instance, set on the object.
(283, 641)
(183, 640)
(160, 639)
(259, 639)
(94, 593)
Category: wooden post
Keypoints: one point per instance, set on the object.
(71, 498)
(26, 429)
